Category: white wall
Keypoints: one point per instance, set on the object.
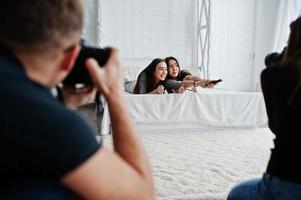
(232, 43)
(144, 29)
(90, 22)
(241, 36)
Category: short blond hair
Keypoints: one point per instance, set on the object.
(37, 25)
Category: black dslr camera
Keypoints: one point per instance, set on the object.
(274, 58)
(79, 76)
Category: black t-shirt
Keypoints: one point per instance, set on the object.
(173, 84)
(40, 139)
(283, 104)
(182, 75)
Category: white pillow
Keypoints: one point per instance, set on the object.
(129, 86)
(131, 73)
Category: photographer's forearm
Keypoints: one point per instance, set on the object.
(125, 139)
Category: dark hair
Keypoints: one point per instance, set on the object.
(37, 25)
(294, 42)
(149, 73)
(167, 59)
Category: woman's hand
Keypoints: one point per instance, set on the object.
(181, 90)
(210, 85)
(204, 83)
(160, 89)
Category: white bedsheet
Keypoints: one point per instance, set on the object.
(206, 109)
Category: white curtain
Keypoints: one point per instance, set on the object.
(232, 43)
(272, 31)
(288, 11)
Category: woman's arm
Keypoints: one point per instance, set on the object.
(174, 86)
(204, 83)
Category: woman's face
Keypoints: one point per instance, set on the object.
(160, 72)
(173, 68)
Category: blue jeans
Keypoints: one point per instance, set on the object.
(36, 190)
(267, 188)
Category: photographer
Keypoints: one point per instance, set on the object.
(281, 83)
(48, 151)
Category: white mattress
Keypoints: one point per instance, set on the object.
(207, 109)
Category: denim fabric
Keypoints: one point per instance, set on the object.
(267, 188)
(36, 190)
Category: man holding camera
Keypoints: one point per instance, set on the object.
(47, 151)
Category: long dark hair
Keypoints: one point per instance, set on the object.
(167, 59)
(149, 73)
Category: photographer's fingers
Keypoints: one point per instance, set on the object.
(113, 59)
(95, 72)
(108, 79)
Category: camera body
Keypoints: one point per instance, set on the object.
(79, 74)
(272, 59)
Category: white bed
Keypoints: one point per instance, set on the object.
(207, 109)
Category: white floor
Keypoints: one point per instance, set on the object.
(204, 165)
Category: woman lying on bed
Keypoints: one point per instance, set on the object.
(152, 80)
(175, 73)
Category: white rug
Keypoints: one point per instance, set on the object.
(204, 165)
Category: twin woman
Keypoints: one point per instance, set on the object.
(165, 74)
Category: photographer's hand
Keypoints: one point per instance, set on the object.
(107, 79)
(74, 98)
(128, 160)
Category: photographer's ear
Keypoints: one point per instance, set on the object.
(70, 56)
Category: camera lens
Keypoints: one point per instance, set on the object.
(79, 74)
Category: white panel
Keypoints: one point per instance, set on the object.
(90, 22)
(144, 29)
(203, 37)
(266, 16)
(232, 43)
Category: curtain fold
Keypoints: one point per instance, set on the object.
(288, 11)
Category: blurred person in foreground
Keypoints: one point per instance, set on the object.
(47, 150)
(280, 82)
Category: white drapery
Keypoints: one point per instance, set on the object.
(288, 11)
(272, 31)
